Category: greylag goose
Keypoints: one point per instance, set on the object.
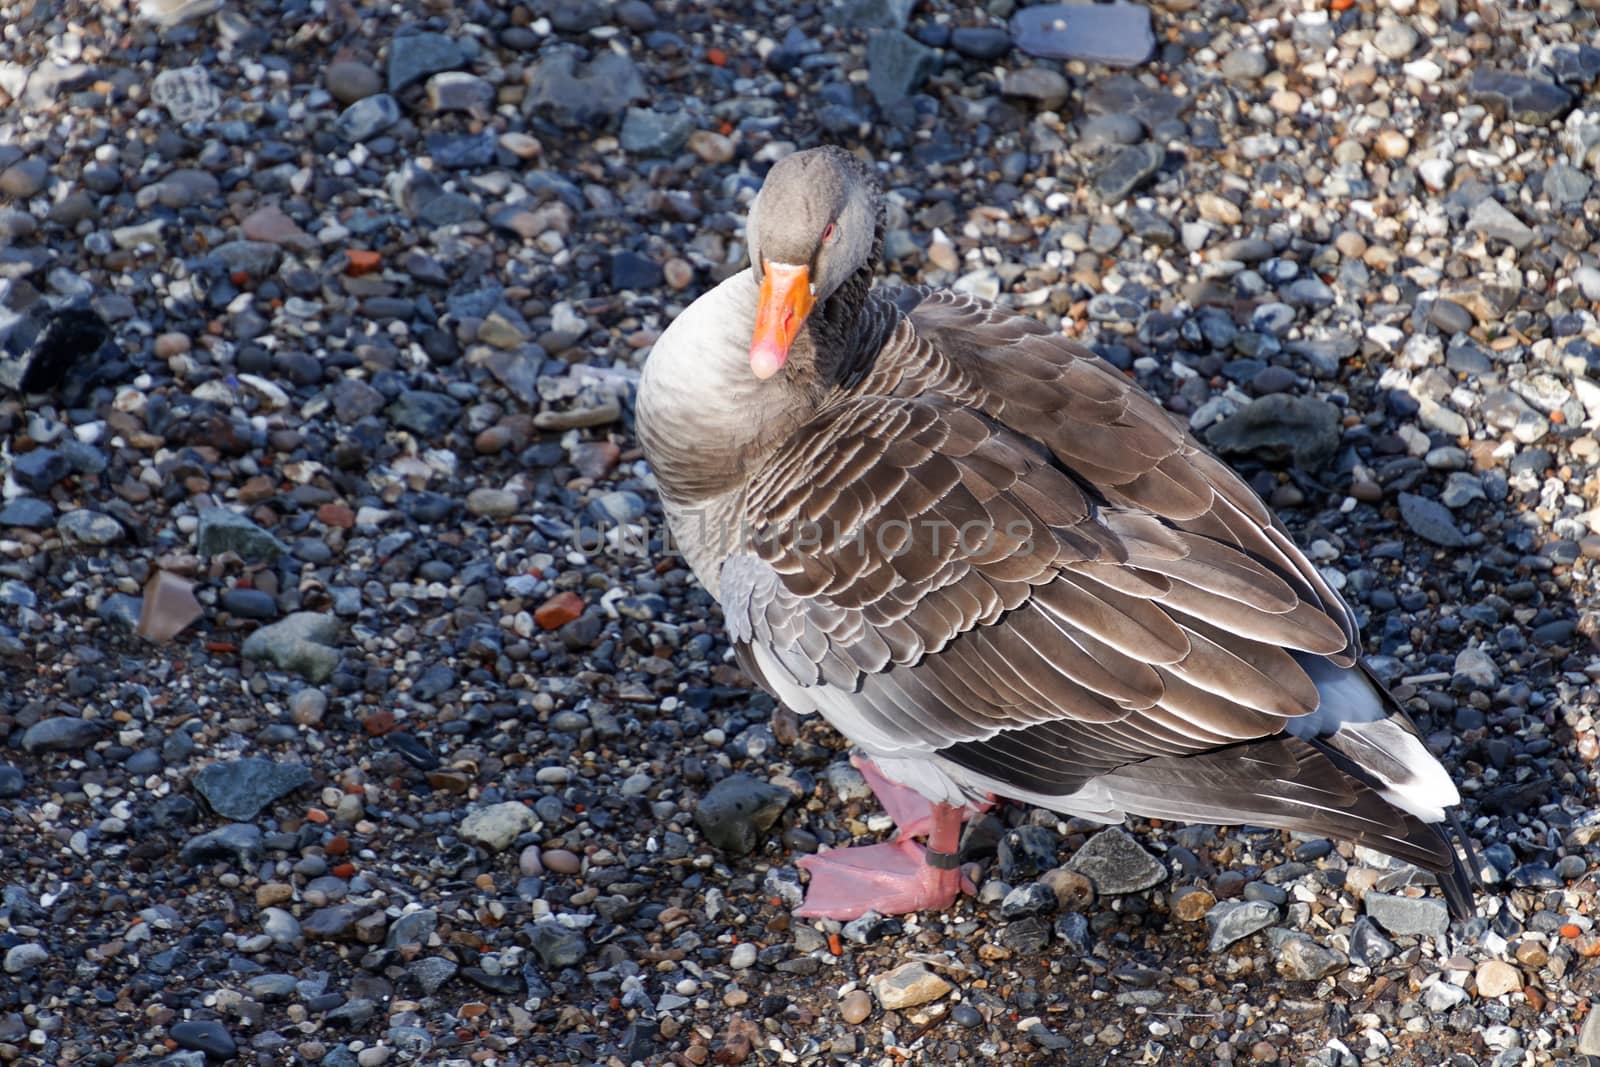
(999, 568)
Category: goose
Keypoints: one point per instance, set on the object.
(1001, 570)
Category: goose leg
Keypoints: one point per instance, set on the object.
(899, 876)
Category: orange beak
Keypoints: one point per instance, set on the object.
(785, 302)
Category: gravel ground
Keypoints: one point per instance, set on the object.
(353, 711)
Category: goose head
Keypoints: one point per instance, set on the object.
(814, 232)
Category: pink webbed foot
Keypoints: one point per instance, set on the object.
(890, 879)
(893, 878)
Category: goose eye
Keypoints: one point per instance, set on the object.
(827, 234)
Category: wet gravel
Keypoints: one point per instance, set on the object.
(354, 711)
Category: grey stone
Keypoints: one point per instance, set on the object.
(1449, 316)
(1129, 169)
(1244, 65)
(1493, 220)
(424, 413)
(1233, 920)
(60, 733)
(1300, 959)
(431, 973)
(1589, 1036)
(557, 945)
(299, 644)
(25, 956)
(412, 928)
(1566, 185)
(1280, 429)
(414, 56)
(224, 530)
(980, 42)
(239, 789)
(1116, 863)
(368, 117)
(1397, 40)
(1408, 915)
(1117, 33)
(205, 1035)
(1522, 99)
(86, 527)
(27, 513)
(1368, 947)
(581, 96)
(459, 91)
(498, 826)
(647, 132)
(1431, 521)
(738, 811)
(240, 842)
(897, 66)
(1048, 88)
(38, 470)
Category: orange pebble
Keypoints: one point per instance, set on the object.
(362, 262)
(716, 57)
(316, 815)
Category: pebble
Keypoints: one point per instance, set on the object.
(1402, 915)
(1115, 863)
(907, 986)
(856, 1005)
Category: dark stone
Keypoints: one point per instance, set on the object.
(239, 789)
(207, 1036)
(12, 781)
(1128, 169)
(738, 811)
(28, 513)
(557, 945)
(249, 604)
(1280, 430)
(1027, 852)
(980, 42)
(415, 56)
(60, 733)
(239, 842)
(630, 270)
(1116, 863)
(424, 413)
(1522, 99)
(897, 66)
(1431, 521)
(38, 470)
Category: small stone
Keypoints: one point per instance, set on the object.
(1116, 863)
(562, 861)
(1431, 521)
(1522, 99)
(239, 789)
(1118, 34)
(1491, 219)
(497, 826)
(60, 733)
(1129, 169)
(907, 986)
(1280, 429)
(187, 93)
(679, 273)
(980, 42)
(458, 91)
(348, 81)
(648, 132)
(738, 811)
(299, 644)
(205, 1035)
(1397, 40)
(23, 957)
(1047, 88)
(368, 117)
(1244, 65)
(897, 66)
(1589, 1036)
(855, 1006)
(1401, 915)
(87, 527)
(1392, 144)
(223, 530)
(1301, 959)
(710, 146)
(415, 56)
(557, 945)
(1497, 978)
(558, 611)
(1232, 920)
(743, 958)
(1191, 903)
